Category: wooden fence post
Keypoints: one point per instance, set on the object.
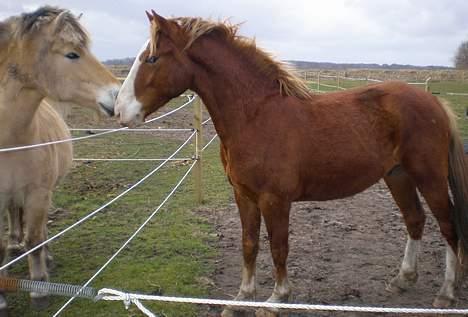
(426, 86)
(198, 172)
(318, 81)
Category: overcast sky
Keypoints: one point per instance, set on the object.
(418, 32)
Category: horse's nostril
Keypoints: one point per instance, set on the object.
(108, 111)
(114, 93)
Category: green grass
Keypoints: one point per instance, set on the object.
(169, 257)
(459, 103)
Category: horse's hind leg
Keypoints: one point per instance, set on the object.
(404, 192)
(37, 203)
(433, 185)
(436, 194)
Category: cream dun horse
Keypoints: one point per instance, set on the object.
(42, 54)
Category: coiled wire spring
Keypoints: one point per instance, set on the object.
(14, 285)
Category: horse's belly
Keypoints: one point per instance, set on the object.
(340, 184)
(18, 172)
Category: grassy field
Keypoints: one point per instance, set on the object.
(174, 254)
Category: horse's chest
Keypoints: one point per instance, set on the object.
(254, 174)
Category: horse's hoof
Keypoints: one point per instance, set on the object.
(50, 262)
(39, 302)
(14, 249)
(3, 306)
(394, 288)
(263, 312)
(229, 312)
(401, 283)
(442, 301)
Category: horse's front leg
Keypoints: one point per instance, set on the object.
(15, 225)
(275, 211)
(4, 199)
(251, 220)
(36, 207)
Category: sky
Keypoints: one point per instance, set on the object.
(417, 32)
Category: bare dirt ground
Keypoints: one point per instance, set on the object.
(341, 252)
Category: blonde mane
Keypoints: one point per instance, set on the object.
(289, 83)
(67, 28)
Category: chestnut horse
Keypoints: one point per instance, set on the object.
(280, 143)
(42, 54)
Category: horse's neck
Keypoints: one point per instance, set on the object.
(18, 107)
(230, 85)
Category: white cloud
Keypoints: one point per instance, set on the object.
(387, 31)
(120, 37)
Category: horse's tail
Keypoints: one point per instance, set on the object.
(458, 180)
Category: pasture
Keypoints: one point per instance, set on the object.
(194, 251)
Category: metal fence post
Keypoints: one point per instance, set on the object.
(198, 172)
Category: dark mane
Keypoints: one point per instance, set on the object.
(69, 28)
(4, 32)
(289, 83)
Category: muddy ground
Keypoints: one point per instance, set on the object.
(341, 252)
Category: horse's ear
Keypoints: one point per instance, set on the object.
(59, 21)
(161, 22)
(4, 34)
(149, 15)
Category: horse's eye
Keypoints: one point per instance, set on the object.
(151, 59)
(72, 55)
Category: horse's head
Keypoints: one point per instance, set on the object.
(49, 53)
(162, 70)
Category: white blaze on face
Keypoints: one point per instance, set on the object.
(127, 105)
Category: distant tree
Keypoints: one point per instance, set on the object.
(461, 57)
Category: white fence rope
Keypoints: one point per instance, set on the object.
(209, 142)
(171, 193)
(353, 78)
(131, 130)
(206, 121)
(128, 298)
(131, 159)
(90, 215)
(456, 94)
(328, 76)
(32, 146)
(338, 85)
